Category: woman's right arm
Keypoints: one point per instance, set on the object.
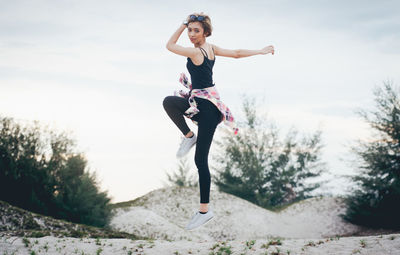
(177, 49)
(241, 53)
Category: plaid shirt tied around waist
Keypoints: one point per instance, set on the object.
(210, 94)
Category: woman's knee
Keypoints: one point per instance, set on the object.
(170, 102)
(200, 161)
(167, 101)
(202, 168)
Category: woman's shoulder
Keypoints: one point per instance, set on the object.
(210, 46)
(210, 51)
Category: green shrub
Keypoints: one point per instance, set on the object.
(41, 171)
(375, 198)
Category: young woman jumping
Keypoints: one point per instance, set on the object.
(202, 104)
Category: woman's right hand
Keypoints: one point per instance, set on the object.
(268, 49)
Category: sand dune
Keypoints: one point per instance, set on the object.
(166, 212)
(312, 226)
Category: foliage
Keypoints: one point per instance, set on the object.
(375, 198)
(257, 166)
(181, 177)
(40, 171)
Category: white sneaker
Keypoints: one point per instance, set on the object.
(186, 144)
(199, 219)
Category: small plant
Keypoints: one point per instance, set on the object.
(392, 237)
(310, 243)
(46, 247)
(176, 253)
(272, 242)
(250, 244)
(38, 234)
(223, 249)
(98, 241)
(78, 233)
(277, 252)
(275, 242)
(363, 243)
(26, 241)
(99, 250)
(214, 246)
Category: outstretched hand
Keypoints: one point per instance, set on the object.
(268, 49)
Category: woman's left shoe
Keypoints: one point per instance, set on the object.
(199, 219)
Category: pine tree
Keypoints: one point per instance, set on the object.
(375, 201)
(182, 177)
(257, 166)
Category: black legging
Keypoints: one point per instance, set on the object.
(208, 119)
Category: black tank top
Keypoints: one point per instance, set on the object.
(201, 75)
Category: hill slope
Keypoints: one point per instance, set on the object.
(163, 213)
(15, 221)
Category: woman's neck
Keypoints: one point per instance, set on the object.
(197, 45)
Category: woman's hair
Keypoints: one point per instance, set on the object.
(205, 23)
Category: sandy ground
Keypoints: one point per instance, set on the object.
(312, 226)
(162, 214)
(374, 245)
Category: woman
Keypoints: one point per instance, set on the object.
(202, 104)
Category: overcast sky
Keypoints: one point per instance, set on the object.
(100, 70)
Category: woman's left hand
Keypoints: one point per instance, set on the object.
(268, 49)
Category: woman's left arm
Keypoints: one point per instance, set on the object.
(241, 53)
(247, 53)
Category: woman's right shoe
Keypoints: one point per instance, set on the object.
(186, 144)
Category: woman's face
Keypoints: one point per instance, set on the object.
(195, 32)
